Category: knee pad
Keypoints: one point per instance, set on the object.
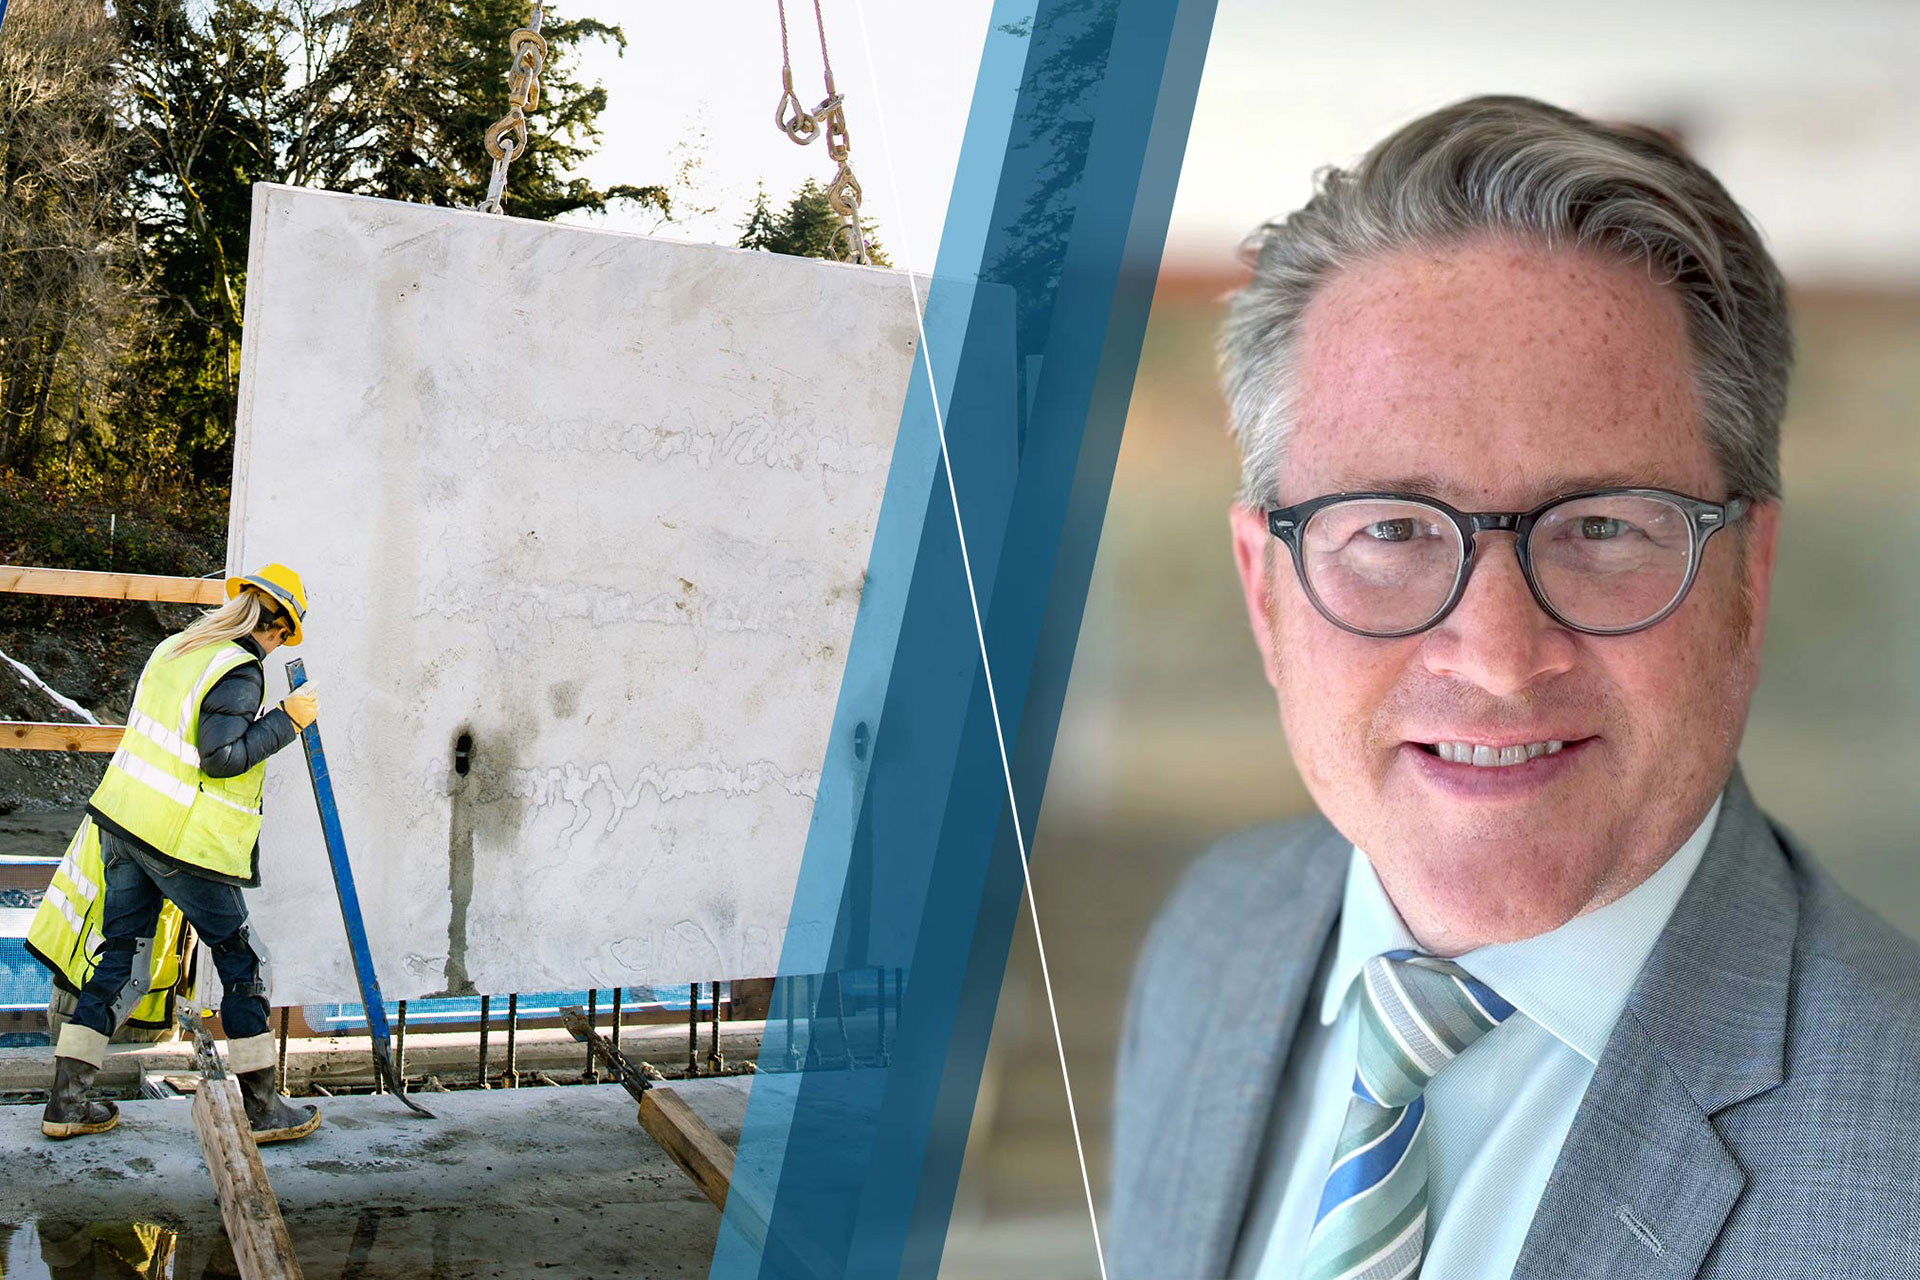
(121, 944)
(239, 940)
(242, 942)
(139, 978)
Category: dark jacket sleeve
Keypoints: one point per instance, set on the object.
(231, 740)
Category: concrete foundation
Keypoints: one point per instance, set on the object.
(556, 1182)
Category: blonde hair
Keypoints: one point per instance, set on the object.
(240, 616)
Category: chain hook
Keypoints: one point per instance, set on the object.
(791, 117)
(843, 197)
(507, 137)
(829, 118)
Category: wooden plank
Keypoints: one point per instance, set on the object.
(663, 1114)
(112, 586)
(699, 1152)
(261, 1246)
(683, 1135)
(35, 735)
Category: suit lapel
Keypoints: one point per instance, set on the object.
(1644, 1183)
(1226, 1098)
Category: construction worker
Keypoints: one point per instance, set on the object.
(178, 814)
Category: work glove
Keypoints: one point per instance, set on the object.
(302, 706)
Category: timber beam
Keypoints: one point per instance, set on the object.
(36, 735)
(261, 1246)
(697, 1149)
(262, 1249)
(112, 586)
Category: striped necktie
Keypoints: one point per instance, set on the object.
(1417, 1014)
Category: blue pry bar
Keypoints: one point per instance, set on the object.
(355, 923)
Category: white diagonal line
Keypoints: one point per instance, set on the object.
(1371, 1187)
(1372, 979)
(979, 631)
(1419, 1022)
(1419, 1223)
(1467, 991)
(1357, 1152)
(1373, 1094)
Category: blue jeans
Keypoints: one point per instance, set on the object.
(135, 886)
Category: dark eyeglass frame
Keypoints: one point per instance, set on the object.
(1704, 519)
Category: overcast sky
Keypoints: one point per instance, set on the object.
(707, 77)
(1809, 112)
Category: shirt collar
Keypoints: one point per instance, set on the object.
(1572, 980)
(1369, 925)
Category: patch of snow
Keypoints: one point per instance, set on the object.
(33, 677)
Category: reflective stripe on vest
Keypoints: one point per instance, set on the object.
(68, 929)
(165, 738)
(154, 788)
(57, 900)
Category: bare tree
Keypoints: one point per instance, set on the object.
(68, 292)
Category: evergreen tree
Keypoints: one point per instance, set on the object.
(401, 107)
(760, 229)
(386, 98)
(804, 229)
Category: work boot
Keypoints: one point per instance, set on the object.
(273, 1118)
(68, 1113)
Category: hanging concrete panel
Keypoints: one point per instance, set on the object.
(584, 519)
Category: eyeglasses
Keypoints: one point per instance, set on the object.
(1602, 561)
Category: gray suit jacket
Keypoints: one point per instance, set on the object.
(1756, 1113)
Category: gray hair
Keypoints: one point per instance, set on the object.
(1514, 166)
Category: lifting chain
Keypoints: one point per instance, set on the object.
(507, 137)
(829, 119)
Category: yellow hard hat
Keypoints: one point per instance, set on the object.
(283, 589)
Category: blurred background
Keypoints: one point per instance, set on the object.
(1810, 117)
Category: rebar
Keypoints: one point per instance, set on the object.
(785, 986)
(485, 1009)
(513, 1038)
(590, 1075)
(693, 1029)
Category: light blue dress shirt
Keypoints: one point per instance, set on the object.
(1498, 1114)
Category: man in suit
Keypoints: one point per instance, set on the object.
(1544, 993)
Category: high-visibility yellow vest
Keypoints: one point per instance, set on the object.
(66, 933)
(154, 789)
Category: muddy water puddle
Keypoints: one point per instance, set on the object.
(388, 1243)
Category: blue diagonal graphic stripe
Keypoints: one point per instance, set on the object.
(1033, 325)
